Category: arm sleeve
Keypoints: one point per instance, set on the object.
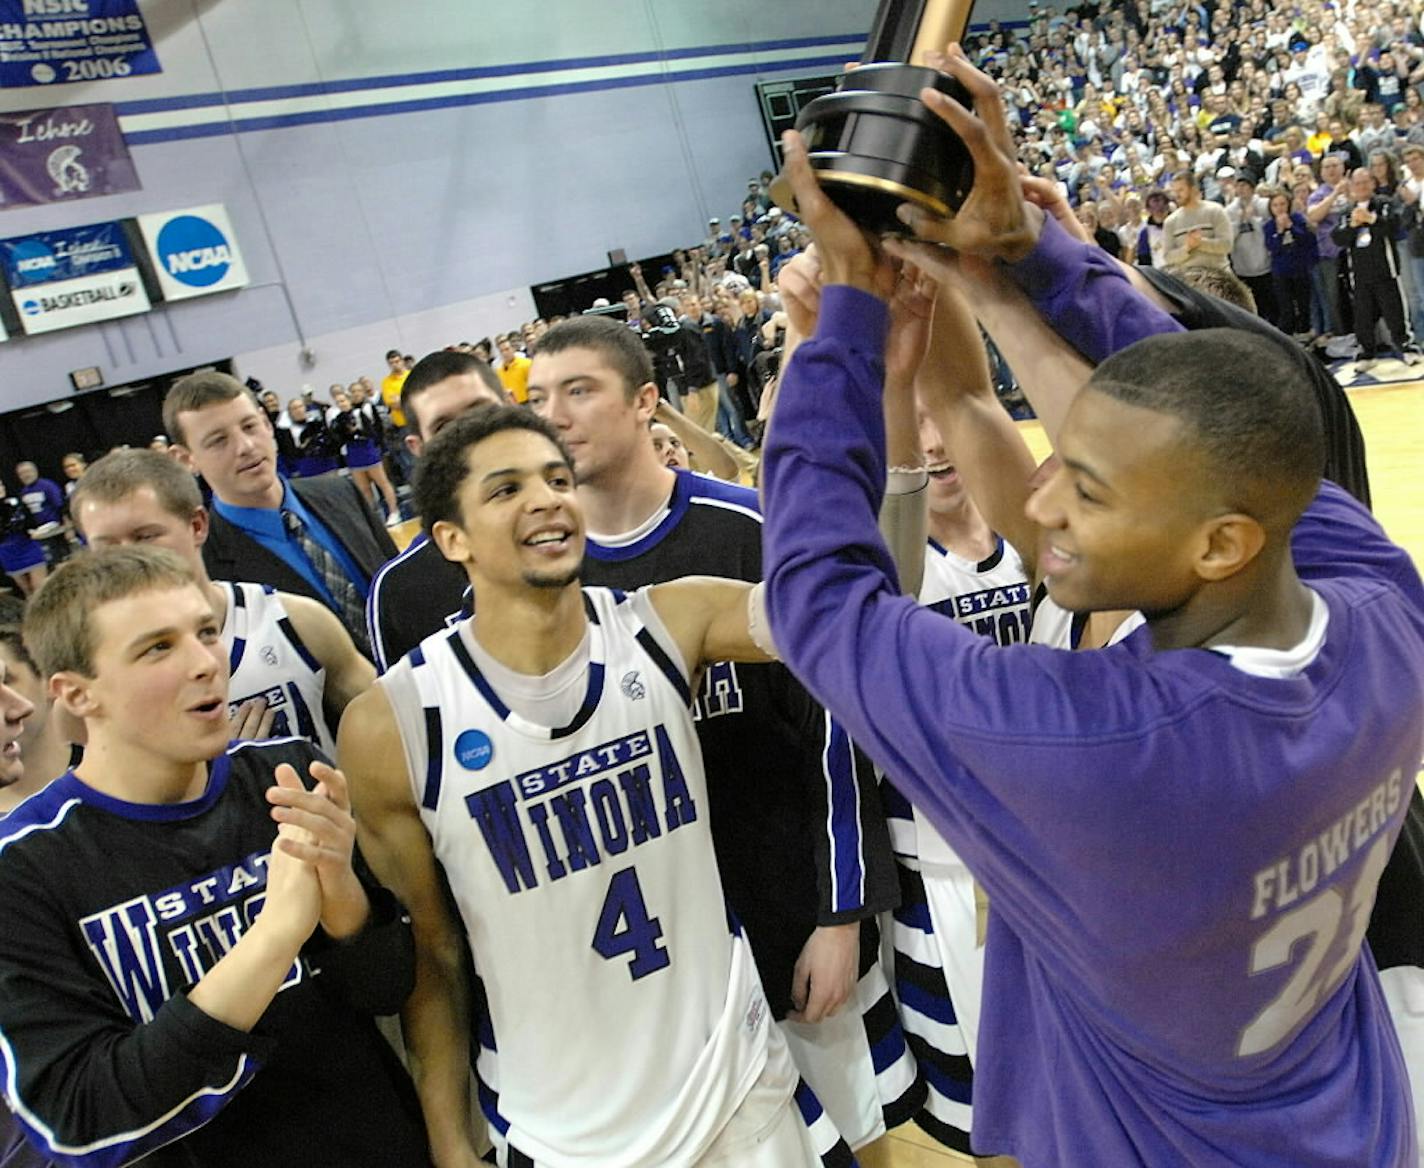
(374, 971)
(1085, 296)
(91, 1086)
(941, 709)
(855, 866)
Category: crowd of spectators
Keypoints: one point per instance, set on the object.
(1257, 136)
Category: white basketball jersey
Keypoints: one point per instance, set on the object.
(1060, 629)
(990, 597)
(627, 1013)
(268, 660)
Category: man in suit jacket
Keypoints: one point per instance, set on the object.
(315, 537)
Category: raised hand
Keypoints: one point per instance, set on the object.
(995, 220)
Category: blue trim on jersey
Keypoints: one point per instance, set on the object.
(489, 1104)
(921, 1001)
(306, 724)
(889, 1050)
(472, 671)
(916, 916)
(948, 1086)
(843, 820)
(417, 656)
(687, 488)
(807, 1103)
(590, 703)
(285, 624)
(239, 644)
(593, 694)
(988, 563)
(665, 666)
(70, 785)
(434, 758)
(589, 610)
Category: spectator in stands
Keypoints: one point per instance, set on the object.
(1198, 231)
(1250, 257)
(1291, 244)
(513, 368)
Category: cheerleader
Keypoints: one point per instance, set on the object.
(315, 445)
(364, 434)
(21, 555)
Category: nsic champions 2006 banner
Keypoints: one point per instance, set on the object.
(44, 42)
(78, 275)
(59, 155)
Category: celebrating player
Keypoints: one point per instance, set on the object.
(543, 753)
(1181, 837)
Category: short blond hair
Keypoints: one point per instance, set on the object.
(59, 619)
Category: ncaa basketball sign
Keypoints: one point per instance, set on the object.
(194, 251)
(77, 275)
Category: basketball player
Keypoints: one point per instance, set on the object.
(543, 753)
(149, 1011)
(420, 592)
(801, 842)
(288, 655)
(1215, 796)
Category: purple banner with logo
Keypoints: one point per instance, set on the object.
(59, 155)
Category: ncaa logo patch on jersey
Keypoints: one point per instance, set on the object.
(633, 687)
(473, 750)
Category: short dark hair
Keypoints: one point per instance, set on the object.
(613, 340)
(197, 391)
(436, 367)
(1259, 427)
(392, 353)
(445, 464)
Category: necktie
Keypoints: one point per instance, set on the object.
(349, 605)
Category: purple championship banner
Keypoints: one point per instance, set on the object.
(60, 155)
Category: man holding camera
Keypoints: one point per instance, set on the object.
(1366, 234)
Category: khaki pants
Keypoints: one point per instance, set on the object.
(700, 406)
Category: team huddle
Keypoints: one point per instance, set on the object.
(1066, 811)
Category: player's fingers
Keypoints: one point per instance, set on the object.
(265, 718)
(334, 782)
(286, 776)
(988, 101)
(321, 827)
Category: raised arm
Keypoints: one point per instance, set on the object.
(711, 457)
(711, 619)
(436, 1018)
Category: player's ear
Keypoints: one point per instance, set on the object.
(1231, 542)
(73, 693)
(414, 444)
(645, 401)
(451, 541)
(183, 457)
(198, 523)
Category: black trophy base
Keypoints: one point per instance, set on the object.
(874, 145)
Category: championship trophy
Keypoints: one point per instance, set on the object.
(872, 143)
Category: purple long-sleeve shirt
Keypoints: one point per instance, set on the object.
(1181, 855)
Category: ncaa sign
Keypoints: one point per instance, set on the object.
(194, 251)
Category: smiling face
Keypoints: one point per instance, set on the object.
(232, 446)
(946, 490)
(1121, 523)
(519, 519)
(159, 689)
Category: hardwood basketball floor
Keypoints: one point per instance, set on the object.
(1392, 418)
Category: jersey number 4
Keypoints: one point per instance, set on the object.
(624, 926)
(1325, 922)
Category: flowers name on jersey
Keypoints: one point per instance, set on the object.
(183, 930)
(543, 824)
